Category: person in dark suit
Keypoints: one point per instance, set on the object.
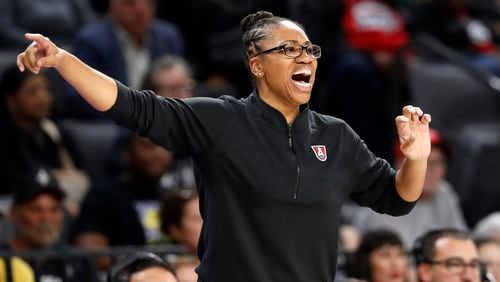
(124, 44)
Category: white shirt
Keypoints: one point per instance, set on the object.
(137, 58)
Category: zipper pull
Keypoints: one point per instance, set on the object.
(290, 136)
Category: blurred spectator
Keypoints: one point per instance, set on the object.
(349, 237)
(465, 26)
(488, 227)
(142, 267)
(170, 76)
(125, 211)
(181, 219)
(367, 85)
(438, 206)
(57, 19)
(381, 257)
(124, 44)
(20, 271)
(489, 253)
(37, 217)
(31, 140)
(213, 39)
(446, 255)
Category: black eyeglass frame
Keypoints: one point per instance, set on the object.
(448, 263)
(283, 46)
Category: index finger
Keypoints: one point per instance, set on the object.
(408, 110)
(38, 38)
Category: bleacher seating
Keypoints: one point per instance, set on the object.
(94, 140)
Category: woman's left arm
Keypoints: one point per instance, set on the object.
(413, 130)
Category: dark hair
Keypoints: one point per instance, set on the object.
(256, 27)
(12, 79)
(172, 207)
(130, 264)
(359, 267)
(424, 248)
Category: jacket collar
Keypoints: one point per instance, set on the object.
(275, 118)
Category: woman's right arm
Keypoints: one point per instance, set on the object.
(191, 125)
(99, 90)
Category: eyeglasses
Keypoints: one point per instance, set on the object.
(457, 265)
(294, 50)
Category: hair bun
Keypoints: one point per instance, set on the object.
(249, 21)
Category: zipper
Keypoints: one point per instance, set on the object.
(297, 181)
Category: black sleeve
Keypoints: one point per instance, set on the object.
(191, 125)
(375, 181)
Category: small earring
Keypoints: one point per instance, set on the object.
(260, 74)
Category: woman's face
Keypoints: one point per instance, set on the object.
(286, 82)
(388, 264)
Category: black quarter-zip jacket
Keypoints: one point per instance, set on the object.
(269, 201)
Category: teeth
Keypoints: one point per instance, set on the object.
(304, 72)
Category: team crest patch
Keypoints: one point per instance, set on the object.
(320, 152)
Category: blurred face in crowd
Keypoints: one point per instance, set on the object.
(436, 171)
(188, 232)
(388, 263)
(153, 274)
(490, 255)
(455, 260)
(135, 16)
(32, 102)
(147, 158)
(38, 222)
(286, 82)
(174, 82)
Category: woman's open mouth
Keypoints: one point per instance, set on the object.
(302, 80)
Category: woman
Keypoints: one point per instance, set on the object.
(180, 218)
(381, 257)
(271, 173)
